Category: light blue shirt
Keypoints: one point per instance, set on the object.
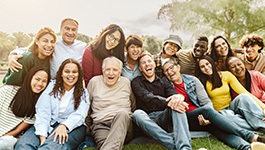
(129, 73)
(47, 112)
(63, 51)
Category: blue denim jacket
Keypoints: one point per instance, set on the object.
(196, 91)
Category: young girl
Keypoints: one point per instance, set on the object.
(218, 86)
(37, 54)
(17, 105)
(110, 42)
(60, 112)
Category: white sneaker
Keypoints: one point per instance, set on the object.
(257, 146)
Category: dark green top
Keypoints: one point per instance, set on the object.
(28, 61)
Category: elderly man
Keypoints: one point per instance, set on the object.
(160, 109)
(66, 47)
(188, 58)
(112, 103)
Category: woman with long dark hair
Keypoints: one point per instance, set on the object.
(60, 112)
(110, 42)
(17, 105)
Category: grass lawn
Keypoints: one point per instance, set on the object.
(208, 143)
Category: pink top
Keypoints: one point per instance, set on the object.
(257, 85)
(90, 64)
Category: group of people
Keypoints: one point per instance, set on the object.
(59, 92)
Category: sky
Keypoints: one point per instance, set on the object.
(134, 16)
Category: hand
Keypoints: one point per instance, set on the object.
(42, 139)
(61, 133)
(202, 121)
(176, 102)
(14, 65)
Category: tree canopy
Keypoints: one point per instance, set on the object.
(230, 18)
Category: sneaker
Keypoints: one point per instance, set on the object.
(261, 139)
(257, 146)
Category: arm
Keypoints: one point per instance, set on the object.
(87, 64)
(146, 96)
(13, 58)
(239, 89)
(21, 127)
(202, 94)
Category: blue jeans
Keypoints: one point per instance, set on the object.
(160, 124)
(30, 141)
(221, 127)
(245, 106)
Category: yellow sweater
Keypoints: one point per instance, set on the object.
(221, 97)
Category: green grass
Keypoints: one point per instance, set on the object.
(210, 143)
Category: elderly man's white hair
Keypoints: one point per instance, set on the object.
(111, 59)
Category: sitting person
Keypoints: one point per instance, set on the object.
(160, 110)
(133, 47)
(17, 105)
(201, 114)
(170, 46)
(188, 58)
(253, 57)
(38, 54)
(218, 86)
(252, 80)
(112, 103)
(60, 112)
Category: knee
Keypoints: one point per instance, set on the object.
(139, 114)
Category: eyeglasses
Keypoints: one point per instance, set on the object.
(113, 39)
(170, 68)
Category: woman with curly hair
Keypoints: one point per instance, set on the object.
(60, 112)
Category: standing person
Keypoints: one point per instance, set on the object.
(66, 47)
(220, 50)
(170, 46)
(201, 114)
(188, 58)
(112, 103)
(253, 57)
(37, 54)
(133, 47)
(251, 80)
(110, 42)
(218, 86)
(60, 112)
(17, 105)
(160, 110)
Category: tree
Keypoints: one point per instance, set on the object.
(151, 44)
(22, 39)
(83, 37)
(230, 18)
(6, 45)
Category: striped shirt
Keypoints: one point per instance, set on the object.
(8, 120)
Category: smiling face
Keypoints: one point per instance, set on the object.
(39, 81)
(221, 47)
(171, 48)
(147, 66)
(70, 76)
(112, 40)
(172, 71)
(134, 51)
(45, 45)
(252, 51)
(111, 72)
(205, 67)
(69, 31)
(237, 67)
(200, 48)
